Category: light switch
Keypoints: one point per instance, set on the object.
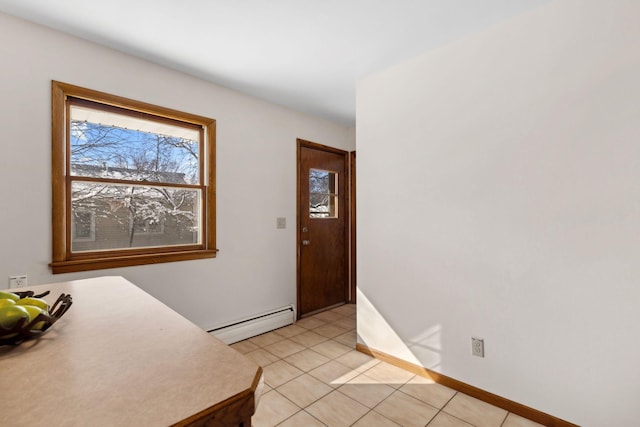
(281, 223)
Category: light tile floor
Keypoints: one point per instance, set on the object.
(314, 377)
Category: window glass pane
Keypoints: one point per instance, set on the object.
(323, 200)
(319, 181)
(323, 206)
(117, 146)
(135, 216)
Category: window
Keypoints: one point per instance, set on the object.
(133, 183)
(323, 196)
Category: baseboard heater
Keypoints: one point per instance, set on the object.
(255, 325)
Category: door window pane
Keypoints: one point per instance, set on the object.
(323, 198)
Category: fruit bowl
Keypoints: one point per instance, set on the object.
(25, 329)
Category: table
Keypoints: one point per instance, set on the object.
(119, 357)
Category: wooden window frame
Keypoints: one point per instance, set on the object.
(63, 260)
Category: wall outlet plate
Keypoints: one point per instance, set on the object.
(18, 281)
(477, 346)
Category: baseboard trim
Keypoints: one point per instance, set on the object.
(485, 396)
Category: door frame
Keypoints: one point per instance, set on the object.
(300, 143)
(352, 227)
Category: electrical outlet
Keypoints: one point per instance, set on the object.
(18, 281)
(477, 347)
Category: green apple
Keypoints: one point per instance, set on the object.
(38, 302)
(10, 315)
(6, 301)
(9, 295)
(33, 313)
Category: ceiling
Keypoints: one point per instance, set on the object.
(303, 54)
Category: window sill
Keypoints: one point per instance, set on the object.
(58, 267)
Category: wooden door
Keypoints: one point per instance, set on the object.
(322, 227)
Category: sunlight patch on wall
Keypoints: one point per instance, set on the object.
(427, 347)
(375, 332)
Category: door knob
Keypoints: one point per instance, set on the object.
(306, 242)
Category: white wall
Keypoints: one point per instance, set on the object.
(256, 173)
(499, 197)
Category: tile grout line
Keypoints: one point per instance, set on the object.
(306, 348)
(442, 410)
(373, 410)
(316, 367)
(330, 359)
(383, 400)
(505, 419)
(367, 413)
(294, 378)
(398, 389)
(295, 404)
(303, 373)
(307, 372)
